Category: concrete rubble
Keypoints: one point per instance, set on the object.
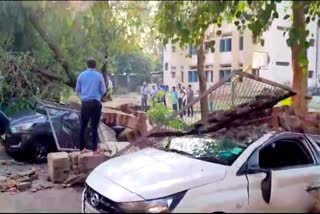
(20, 181)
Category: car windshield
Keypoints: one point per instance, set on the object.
(221, 150)
(42, 110)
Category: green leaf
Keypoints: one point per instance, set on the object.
(236, 23)
(307, 19)
(286, 16)
(238, 14)
(275, 15)
(243, 21)
(212, 49)
(218, 33)
(318, 23)
(262, 42)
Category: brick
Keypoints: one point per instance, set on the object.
(58, 166)
(89, 161)
(24, 186)
(74, 158)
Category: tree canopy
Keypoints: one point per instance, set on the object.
(57, 38)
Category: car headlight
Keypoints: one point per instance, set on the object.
(162, 205)
(22, 127)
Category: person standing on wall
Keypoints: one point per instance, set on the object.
(91, 88)
(190, 97)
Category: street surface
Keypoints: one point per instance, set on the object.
(55, 199)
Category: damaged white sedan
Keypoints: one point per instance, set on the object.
(279, 172)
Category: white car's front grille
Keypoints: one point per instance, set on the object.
(99, 202)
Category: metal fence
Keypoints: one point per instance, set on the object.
(238, 89)
(63, 133)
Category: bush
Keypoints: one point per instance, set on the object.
(161, 115)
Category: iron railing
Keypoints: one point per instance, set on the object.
(238, 89)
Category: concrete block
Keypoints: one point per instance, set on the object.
(24, 186)
(74, 158)
(89, 161)
(58, 166)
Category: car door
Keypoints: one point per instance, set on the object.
(290, 176)
(70, 134)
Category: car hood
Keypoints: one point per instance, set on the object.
(153, 173)
(27, 117)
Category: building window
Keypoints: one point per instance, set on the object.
(166, 66)
(280, 28)
(225, 45)
(241, 43)
(173, 67)
(310, 74)
(193, 51)
(193, 76)
(182, 77)
(282, 63)
(311, 42)
(173, 49)
(173, 74)
(224, 74)
(209, 76)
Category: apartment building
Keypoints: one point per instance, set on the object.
(235, 50)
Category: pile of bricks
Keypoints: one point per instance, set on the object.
(73, 167)
(18, 182)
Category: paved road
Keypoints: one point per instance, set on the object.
(51, 200)
(56, 199)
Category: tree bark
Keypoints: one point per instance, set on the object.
(300, 81)
(202, 82)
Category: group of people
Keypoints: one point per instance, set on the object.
(180, 97)
(146, 92)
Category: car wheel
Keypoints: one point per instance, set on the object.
(40, 150)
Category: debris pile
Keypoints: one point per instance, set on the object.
(73, 168)
(289, 120)
(20, 181)
(128, 116)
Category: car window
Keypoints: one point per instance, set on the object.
(220, 150)
(284, 153)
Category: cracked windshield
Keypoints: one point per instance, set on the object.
(159, 106)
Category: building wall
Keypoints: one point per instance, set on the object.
(279, 68)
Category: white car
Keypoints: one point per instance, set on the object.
(279, 172)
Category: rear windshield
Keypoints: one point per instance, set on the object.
(221, 150)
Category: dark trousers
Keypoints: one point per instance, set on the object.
(144, 103)
(183, 104)
(175, 107)
(190, 111)
(90, 111)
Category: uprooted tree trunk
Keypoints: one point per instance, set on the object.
(300, 81)
(202, 82)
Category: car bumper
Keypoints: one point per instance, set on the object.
(85, 206)
(15, 142)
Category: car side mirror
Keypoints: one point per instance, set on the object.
(266, 185)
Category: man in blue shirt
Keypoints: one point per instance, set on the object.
(91, 88)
